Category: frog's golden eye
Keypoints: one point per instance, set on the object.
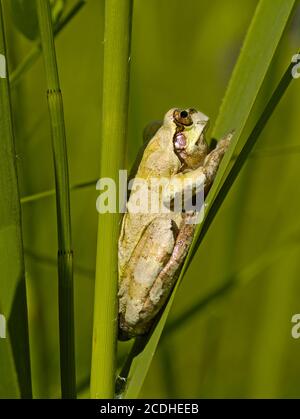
(182, 117)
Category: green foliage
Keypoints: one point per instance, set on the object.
(25, 16)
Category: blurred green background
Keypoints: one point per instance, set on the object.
(229, 333)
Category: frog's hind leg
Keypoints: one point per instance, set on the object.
(149, 257)
(167, 278)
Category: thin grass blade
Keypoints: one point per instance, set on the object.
(15, 374)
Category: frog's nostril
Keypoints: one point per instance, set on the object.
(184, 114)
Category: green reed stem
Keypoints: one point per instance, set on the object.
(65, 254)
(114, 124)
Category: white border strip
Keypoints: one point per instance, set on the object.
(2, 327)
(2, 67)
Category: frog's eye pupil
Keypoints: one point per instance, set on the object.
(184, 114)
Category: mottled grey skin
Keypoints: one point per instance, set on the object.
(152, 247)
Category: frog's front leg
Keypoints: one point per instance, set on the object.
(202, 176)
(213, 160)
(148, 259)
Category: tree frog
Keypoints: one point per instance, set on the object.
(153, 246)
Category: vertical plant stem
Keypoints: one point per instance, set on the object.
(65, 254)
(117, 32)
(15, 371)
